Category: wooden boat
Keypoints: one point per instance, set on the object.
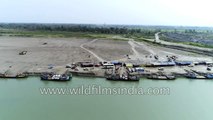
(134, 78)
(194, 76)
(123, 78)
(55, 77)
(209, 76)
(14, 76)
(162, 77)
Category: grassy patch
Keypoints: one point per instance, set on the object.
(163, 37)
(198, 44)
(54, 34)
(61, 34)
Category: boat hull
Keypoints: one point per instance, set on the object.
(161, 77)
(118, 78)
(13, 77)
(54, 77)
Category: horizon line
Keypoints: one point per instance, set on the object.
(153, 25)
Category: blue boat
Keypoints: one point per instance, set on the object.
(183, 63)
(194, 76)
(209, 76)
(191, 75)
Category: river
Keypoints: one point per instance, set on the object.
(21, 99)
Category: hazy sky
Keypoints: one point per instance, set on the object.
(142, 12)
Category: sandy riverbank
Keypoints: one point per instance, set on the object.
(61, 51)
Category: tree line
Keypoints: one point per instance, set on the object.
(81, 28)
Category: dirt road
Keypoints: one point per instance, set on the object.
(136, 54)
(91, 52)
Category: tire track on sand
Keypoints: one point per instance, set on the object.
(95, 55)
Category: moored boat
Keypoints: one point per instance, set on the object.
(14, 76)
(162, 77)
(209, 76)
(194, 76)
(123, 78)
(55, 77)
(134, 78)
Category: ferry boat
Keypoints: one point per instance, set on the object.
(55, 77)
